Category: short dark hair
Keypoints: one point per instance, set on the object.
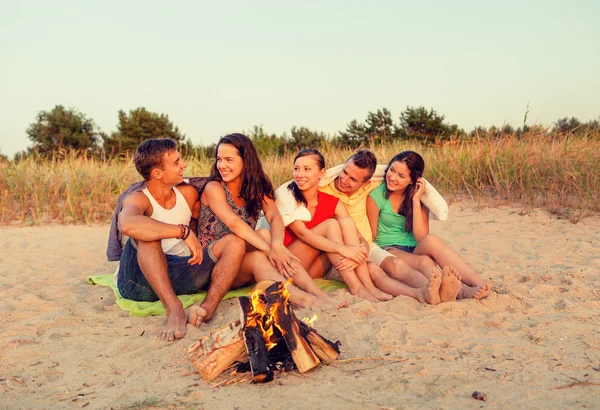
(365, 159)
(149, 155)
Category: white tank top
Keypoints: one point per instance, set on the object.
(179, 214)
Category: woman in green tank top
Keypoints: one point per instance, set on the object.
(400, 225)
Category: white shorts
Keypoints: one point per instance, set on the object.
(377, 255)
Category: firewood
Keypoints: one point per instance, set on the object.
(260, 364)
(304, 357)
(325, 349)
(217, 351)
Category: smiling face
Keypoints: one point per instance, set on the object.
(397, 177)
(307, 172)
(229, 162)
(351, 178)
(171, 171)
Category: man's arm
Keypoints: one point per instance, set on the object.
(135, 223)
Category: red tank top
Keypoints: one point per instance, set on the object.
(325, 210)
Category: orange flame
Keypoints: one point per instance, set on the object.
(266, 319)
(311, 320)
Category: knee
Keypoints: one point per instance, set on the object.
(400, 266)
(144, 246)
(235, 244)
(333, 226)
(425, 261)
(429, 238)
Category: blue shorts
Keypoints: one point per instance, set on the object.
(186, 279)
(409, 249)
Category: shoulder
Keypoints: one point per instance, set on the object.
(214, 187)
(137, 200)
(326, 199)
(330, 189)
(378, 191)
(188, 191)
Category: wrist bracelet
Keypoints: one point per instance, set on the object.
(181, 231)
(187, 232)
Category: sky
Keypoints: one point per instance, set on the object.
(220, 67)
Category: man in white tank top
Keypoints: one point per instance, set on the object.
(164, 258)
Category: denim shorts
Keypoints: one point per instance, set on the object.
(186, 279)
(408, 249)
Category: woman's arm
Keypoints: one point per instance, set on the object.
(279, 256)
(420, 212)
(373, 215)
(214, 197)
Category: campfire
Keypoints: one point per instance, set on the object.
(267, 339)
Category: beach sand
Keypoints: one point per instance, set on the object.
(66, 344)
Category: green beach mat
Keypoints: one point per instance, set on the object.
(156, 308)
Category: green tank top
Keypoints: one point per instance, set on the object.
(390, 228)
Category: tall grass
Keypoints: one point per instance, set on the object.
(555, 172)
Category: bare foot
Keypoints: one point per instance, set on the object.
(450, 284)
(197, 315)
(327, 302)
(380, 295)
(474, 292)
(175, 327)
(431, 292)
(365, 294)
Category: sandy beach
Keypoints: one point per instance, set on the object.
(533, 343)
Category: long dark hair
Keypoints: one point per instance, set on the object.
(320, 162)
(415, 164)
(255, 183)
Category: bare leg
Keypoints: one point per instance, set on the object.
(320, 266)
(400, 270)
(258, 263)
(421, 263)
(230, 251)
(153, 264)
(428, 293)
(444, 255)
(351, 237)
(307, 254)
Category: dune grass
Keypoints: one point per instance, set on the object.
(538, 170)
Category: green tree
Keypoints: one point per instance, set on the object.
(428, 125)
(266, 144)
(567, 125)
(138, 126)
(354, 136)
(380, 126)
(62, 128)
(302, 137)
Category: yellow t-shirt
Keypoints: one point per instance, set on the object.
(356, 204)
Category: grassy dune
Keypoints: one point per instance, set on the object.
(555, 172)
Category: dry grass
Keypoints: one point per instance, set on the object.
(558, 173)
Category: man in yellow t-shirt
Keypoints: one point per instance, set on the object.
(352, 183)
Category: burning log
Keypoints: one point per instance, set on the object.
(271, 335)
(217, 351)
(325, 349)
(258, 355)
(281, 315)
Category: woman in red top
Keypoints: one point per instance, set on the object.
(331, 230)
